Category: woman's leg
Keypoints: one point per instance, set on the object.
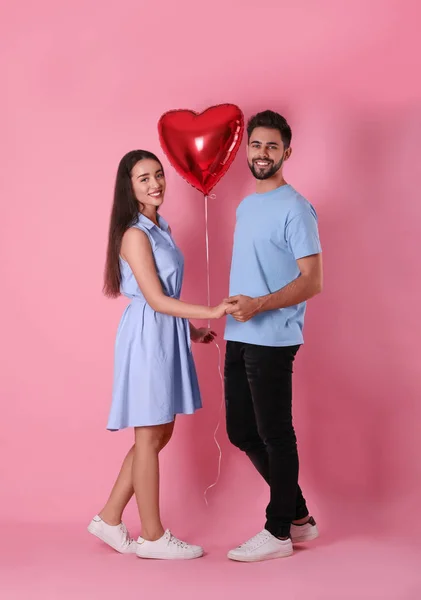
(149, 441)
(123, 488)
(121, 492)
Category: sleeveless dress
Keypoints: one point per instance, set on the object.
(154, 372)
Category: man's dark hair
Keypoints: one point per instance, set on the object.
(271, 120)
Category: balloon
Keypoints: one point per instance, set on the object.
(202, 146)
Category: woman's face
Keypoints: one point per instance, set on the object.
(148, 182)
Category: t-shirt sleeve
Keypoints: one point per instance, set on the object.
(302, 234)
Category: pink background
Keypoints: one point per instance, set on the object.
(82, 84)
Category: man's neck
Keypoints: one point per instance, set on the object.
(268, 185)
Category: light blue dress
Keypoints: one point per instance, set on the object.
(154, 373)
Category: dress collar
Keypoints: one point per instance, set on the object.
(150, 224)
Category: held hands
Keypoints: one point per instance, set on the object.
(242, 308)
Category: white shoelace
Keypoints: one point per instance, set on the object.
(173, 540)
(255, 541)
(127, 539)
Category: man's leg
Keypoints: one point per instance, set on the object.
(241, 419)
(269, 374)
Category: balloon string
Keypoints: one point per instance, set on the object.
(219, 356)
(207, 253)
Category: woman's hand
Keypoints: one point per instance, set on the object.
(216, 312)
(203, 335)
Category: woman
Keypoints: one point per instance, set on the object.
(155, 376)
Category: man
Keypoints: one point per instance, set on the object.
(276, 266)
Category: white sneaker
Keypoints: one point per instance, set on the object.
(115, 536)
(167, 547)
(304, 533)
(262, 546)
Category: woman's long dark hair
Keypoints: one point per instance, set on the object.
(124, 214)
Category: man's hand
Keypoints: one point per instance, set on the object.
(243, 308)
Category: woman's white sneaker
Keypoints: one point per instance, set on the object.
(166, 548)
(263, 546)
(304, 533)
(115, 536)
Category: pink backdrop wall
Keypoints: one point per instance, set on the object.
(83, 85)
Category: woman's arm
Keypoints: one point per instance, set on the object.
(136, 250)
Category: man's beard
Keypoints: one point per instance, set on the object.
(265, 173)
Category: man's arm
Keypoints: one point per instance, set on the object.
(307, 285)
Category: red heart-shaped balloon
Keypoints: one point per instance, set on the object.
(202, 146)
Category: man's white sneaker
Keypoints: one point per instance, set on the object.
(304, 533)
(167, 547)
(115, 536)
(262, 546)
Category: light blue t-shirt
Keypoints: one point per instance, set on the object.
(273, 230)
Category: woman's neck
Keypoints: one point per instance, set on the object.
(151, 213)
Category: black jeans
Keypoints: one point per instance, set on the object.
(258, 396)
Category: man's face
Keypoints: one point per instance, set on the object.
(265, 152)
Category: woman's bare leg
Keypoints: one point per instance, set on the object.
(149, 441)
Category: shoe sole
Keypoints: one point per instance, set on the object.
(259, 559)
(159, 556)
(307, 537)
(93, 530)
